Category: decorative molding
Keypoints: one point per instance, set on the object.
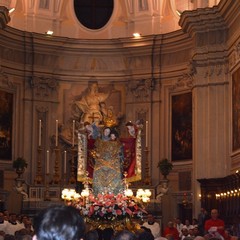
(234, 58)
(141, 114)
(201, 20)
(4, 79)
(216, 69)
(43, 86)
(185, 81)
(141, 89)
(42, 109)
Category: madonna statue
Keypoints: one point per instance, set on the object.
(107, 175)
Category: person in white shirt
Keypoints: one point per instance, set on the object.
(153, 226)
(188, 225)
(178, 226)
(3, 223)
(185, 233)
(12, 224)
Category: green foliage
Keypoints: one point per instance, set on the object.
(20, 163)
(165, 166)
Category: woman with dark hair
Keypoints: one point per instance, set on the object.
(125, 235)
(59, 223)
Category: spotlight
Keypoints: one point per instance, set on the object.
(136, 35)
(49, 32)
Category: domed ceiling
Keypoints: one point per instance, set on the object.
(105, 19)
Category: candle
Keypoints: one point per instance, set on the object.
(65, 161)
(73, 133)
(39, 134)
(146, 134)
(56, 133)
(47, 163)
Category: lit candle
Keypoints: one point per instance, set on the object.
(73, 133)
(47, 164)
(146, 134)
(40, 129)
(65, 161)
(56, 133)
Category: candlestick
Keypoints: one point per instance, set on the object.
(40, 129)
(146, 134)
(65, 161)
(56, 133)
(47, 163)
(73, 133)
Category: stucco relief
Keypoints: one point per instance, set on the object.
(216, 69)
(43, 86)
(5, 81)
(235, 56)
(186, 80)
(141, 89)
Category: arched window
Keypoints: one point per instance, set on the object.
(93, 14)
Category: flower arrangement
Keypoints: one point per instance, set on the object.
(109, 207)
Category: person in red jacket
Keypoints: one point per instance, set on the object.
(215, 226)
(170, 232)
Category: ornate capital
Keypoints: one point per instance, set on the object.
(141, 89)
(4, 79)
(185, 81)
(235, 56)
(43, 86)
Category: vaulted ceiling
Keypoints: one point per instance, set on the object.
(144, 16)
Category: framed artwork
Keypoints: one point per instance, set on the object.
(6, 118)
(236, 110)
(1, 179)
(182, 127)
(34, 193)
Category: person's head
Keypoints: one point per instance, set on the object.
(113, 135)
(13, 217)
(187, 222)
(91, 235)
(214, 214)
(125, 235)
(194, 221)
(150, 219)
(106, 131)
(184, 231)
(177, 220)
(28, 224)
(202, 210)
(196, 231)
(170, 224)
(191, 232)
(107, 233)
(59, 223)
(145, 235)
(94, 87)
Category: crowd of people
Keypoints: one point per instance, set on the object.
(66, 223)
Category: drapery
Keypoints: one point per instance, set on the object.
(132, 163)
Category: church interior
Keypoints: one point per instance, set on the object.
(169, 67)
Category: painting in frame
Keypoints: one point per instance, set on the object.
(182, 126)
(6, 118)
(236, 110)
